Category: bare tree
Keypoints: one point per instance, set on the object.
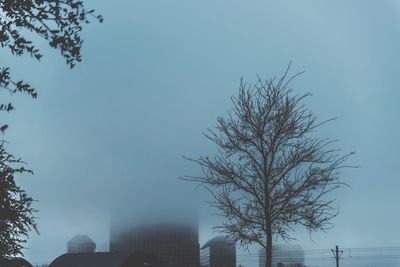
(271, 171)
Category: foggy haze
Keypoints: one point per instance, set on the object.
(108, 137)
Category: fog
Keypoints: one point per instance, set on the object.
(109, 135)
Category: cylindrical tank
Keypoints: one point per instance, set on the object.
(81, 244)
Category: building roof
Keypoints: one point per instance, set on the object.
(81, 240)
(107, 259)
(15, 262)
(218, 240)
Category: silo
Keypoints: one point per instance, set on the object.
(81, 244)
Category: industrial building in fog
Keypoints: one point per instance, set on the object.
(166, 226)
(218, 252)
(177, 245)
(284, 256)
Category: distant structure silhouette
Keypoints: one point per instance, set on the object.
(284, 256)
(107, 259)
(218, 252)
(81, 244)
(177, 245)
(14, 262)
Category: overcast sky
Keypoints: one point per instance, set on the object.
(157, 73)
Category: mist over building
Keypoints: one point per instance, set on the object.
(284, 256)
(177, 245)
(167, 228)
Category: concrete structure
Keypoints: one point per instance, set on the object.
(284, 256)
(218, 252)
(107, 259)
(81, 244)
(177, 245)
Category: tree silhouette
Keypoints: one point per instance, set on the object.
(60, 23)
(16, 213)
(271, 171)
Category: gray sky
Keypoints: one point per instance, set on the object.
(158, 73)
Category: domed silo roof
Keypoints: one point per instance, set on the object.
(81, 244)
(108, 259)
(14, 262)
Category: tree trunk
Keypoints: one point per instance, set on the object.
(268, 252)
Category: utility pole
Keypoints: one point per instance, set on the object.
(337, 254)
